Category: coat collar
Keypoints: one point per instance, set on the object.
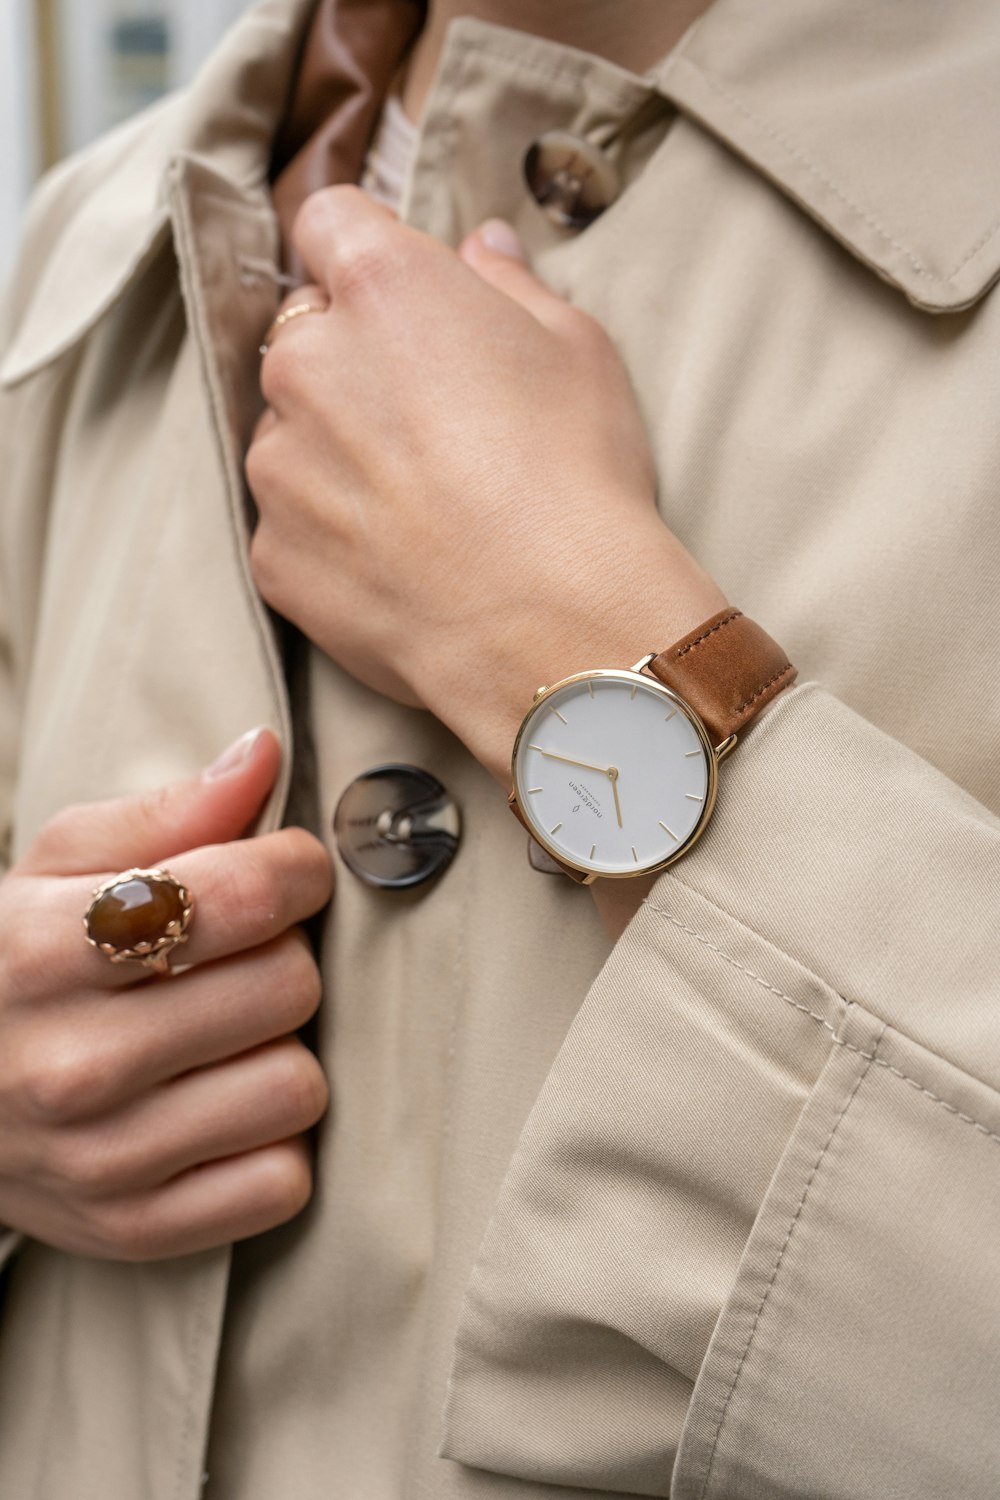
(98, 219)
(879, 121)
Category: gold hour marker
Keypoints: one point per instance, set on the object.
(688, 753)
(558, 714)
(590, 687)
(671, 833)
(634, 855)
(593, 850)
(633, 692)
(534, 789)
(536, 747)
(693, 797)
(671, 715)
(556, 828)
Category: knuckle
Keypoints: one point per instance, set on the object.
(300, 979)
(289, 1181)
(312, 862)
(364, 258)
(254, 890)
(62, 1083)
(20, 957)
(262, 564)
(58, 834)
(588, 335)
(301, 1085)
(262, 469)
(128, 1231)
(80, 1165)
(279, 367)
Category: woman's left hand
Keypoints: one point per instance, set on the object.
(456, 495)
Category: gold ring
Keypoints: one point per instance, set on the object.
(286, 317)
(139, 916)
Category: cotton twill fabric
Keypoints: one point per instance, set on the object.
(730, 1186)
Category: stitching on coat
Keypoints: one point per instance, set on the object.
(735, 963)
(873, 223)
(781, 1255)
(798, 154)
(868, 1057)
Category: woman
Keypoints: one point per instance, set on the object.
(641, 1211)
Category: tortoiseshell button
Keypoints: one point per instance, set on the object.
(396, 826)
(571, 179)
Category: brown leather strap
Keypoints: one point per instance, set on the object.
(727, 670)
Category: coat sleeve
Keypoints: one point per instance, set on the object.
(749, 1243)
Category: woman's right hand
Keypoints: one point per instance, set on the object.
(143, 1117)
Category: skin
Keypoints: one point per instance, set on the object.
(520, 474)
(138, 1128)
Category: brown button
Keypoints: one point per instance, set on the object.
(396, 826)
(570, 178)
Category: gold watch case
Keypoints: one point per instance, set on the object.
(579, 870)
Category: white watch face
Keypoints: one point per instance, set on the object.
(612, 774)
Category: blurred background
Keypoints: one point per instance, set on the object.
(70, 69)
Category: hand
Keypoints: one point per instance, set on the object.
(145, 1117)
(456, 495)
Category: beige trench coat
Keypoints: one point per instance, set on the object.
(716, 1213)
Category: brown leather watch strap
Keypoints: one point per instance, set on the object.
(727, 670)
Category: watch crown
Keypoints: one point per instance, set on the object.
(539, 692)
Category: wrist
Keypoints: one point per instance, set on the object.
(641, 598)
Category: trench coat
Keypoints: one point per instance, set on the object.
(712, 1212)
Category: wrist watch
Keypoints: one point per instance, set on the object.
(615, 771)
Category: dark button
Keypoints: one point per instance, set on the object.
(570, 178)
(396, 826)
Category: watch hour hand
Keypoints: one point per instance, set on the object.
(586, 766)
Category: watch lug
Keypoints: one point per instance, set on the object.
(644, 661)
(589, 879)
(726, 748)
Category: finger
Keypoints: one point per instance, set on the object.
(213, 1205)
(113, 1049)
(338, 228)
(495, 253)
(306, 301)
(265, 1095)
(244, 894)
(146, 829)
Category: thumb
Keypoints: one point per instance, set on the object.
(213, 807)
(494, 251)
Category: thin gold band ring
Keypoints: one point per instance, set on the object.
(286, 317)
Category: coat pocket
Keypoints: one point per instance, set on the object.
(620, 1224)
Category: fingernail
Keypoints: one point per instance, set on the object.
(498, 235)
(237, 754)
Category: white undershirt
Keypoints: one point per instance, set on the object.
(390, 155)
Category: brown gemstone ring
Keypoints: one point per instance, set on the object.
(140, 916)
